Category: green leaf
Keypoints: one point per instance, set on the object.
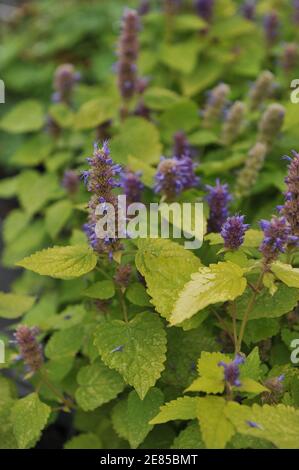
(157, 261)
(211, 378)
(29, 417)
(251, 368)
(27, 116)
(101, 290)
(187, 22)
(267, 305)
(215, 428)
(14, 305)
(217, 283)
(136, 294)
(182, 56)
(56, 217)
(131, 419)
(159, 98)
(147, 171)
(263, 328)
(184, 408)
(286, 273)
(278, 424)
(138, 138)
(8, 187)
(95, 112)
(142, 342)
(84, 441)
(189, 438)
(35, 190)
(62, 115)
(62, 262)
(97, 385)
(33, 151)
(66, 342)
(204, 76)
(251, 386)
(182, 115)
(14, 224)
(140, 412)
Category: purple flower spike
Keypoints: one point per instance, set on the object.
(101, 180)
(248, 9)
(181, 147)
(132, 186)
(233, 232)
(218, 200)
(296, 11)
(232, 371)
(128, 49)
(30, 349)
(174, 176)
(290, 209)
(205, 9)
(65, 79)
(277, 236)
(71, 181)
(271, 27)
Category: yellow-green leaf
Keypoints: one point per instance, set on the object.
(286, 273)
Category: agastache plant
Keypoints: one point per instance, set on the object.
(127, 51)
(233, 232)
(217, 99)
(181, 147)
(248, 9)
(65, 79)
(218, 199)
(175, 175)
(232, 371)
(101, 180)
(289, 58)
(271, 123)
(233, 122)
(30, 349)
(248, 175)
(290, 209)
(205, 9)
(261, 89)
(296, 11)
(271, 27)
(71, 181)
(277, 237)
(132, 186)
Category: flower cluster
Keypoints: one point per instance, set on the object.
(233, 122)
(174, 175)
(290, 209)
(205, 9)
(128, 48)
(233, 232)
(261, 89)
(253, 165)
(65, 79)
(181, 147)
(217, 99)
(275, 387)
(101, 179)
(218, 200)
(131, 185)
(289, 58)
(271, 27)
(277, 236)
(232, 371)
(248, 9)
(271, 123)
(30, 349)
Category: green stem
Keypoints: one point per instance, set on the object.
(234, 314)
(44, 379)
(123, 305)
(248, 311)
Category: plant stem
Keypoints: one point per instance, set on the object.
(44, 379)
(248, 311)
(234, 311)
(222, 322)
(123, 305)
